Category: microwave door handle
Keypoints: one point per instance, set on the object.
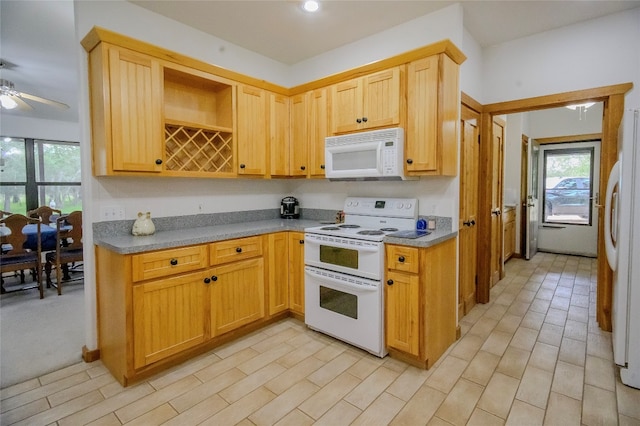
(380, 151)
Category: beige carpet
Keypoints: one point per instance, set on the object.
(39, 336)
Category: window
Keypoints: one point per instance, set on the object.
(37, 172)
(568, 185)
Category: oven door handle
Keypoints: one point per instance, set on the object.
(342, 284)
(365, 249)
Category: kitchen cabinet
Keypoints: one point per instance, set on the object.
(159, 307)
(300, 126)
(433, 100)
(318, 130)
(420, 301)
(286, 273)
(296, 274)
(509, 232)
(151, 117)
(368, 102)
(252, 131)
(280, 136)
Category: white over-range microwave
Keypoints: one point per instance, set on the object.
(371, 155)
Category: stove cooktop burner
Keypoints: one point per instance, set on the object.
(370, 232)
(349, 226)
(389, 229)
(330, 228)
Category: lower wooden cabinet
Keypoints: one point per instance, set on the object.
(286, 272)
(237, 295)
(509, 232)
(420, 302)
(296, 273)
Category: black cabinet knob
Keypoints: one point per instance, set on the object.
(389, 282)
(207, 280)
(473, 222)
(358, 120)
(322, 166)
(173, 262)
(239, 250)
(409, 161)
(214, 278)
(466, 223)
(158, 161)
(242, 166)
(401, 259)
(303, 168)
(364, 119)
(301, 241)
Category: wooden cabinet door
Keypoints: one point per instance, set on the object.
(299, 146)
(497, 146)
(168, 317)
(402, 312)
(381, 99)
(237, 295)
(278, 249)
(468, 228)
(279, 132)
(136, 130)
(346, 106)
(421, 145)
(318, 130)
(296, 272)
(252, 131)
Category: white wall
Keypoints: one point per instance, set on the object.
(590, 54)
(471, 70)
(25, 127)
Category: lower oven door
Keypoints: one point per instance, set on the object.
(346, 307)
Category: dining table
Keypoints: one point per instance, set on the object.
(48, 237)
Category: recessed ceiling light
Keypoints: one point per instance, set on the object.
(311, 5)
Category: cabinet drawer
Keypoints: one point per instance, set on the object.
(232, 250)
(168, 262)
(402, 258)
(509, 215)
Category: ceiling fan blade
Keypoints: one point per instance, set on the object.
(43, 100)
(21, 104)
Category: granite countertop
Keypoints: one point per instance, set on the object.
(129, 244)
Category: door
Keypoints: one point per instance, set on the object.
(497, 233)
(135, 81)
(569, 182)
(252, 131)
(468, 231)
(532, 199)
(524, 193)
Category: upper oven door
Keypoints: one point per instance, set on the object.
(354, 160)
(346, 255)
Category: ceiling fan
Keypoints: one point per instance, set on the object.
(11, 98)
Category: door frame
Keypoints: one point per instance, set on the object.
(613, 101)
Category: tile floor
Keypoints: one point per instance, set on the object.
(534, 355)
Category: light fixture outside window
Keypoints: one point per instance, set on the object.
(311, 5)
(7, 102)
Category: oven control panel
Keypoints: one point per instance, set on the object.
(388, 207)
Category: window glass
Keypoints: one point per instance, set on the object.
(567, 186)
(66, 198)
(57, 161)
(14, 199)
(13, 165)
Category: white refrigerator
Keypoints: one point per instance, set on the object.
(622, 243)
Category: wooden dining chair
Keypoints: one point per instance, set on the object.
(3, 214)
(44, 213)
(68, 247)
(14, 256)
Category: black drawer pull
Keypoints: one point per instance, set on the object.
(239, 250)
(173, 262)
(303, 168)
(401, 259)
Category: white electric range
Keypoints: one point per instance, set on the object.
(344, 267)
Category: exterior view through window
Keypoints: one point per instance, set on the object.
(568, 186)
(37, 172)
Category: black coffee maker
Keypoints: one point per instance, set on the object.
(289, 208)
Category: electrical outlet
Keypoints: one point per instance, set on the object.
(112, 213)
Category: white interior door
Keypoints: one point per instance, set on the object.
(569, 182)
(532, 199)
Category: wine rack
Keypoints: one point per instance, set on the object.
(195, 149)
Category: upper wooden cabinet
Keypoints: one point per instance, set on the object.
(318, 130)
(280, 137)
(300, 132)
(252, 131)
(367, 102)
(309, 128)
(431, 136)
(153, 117)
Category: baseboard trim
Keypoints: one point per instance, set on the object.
(90, 355)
